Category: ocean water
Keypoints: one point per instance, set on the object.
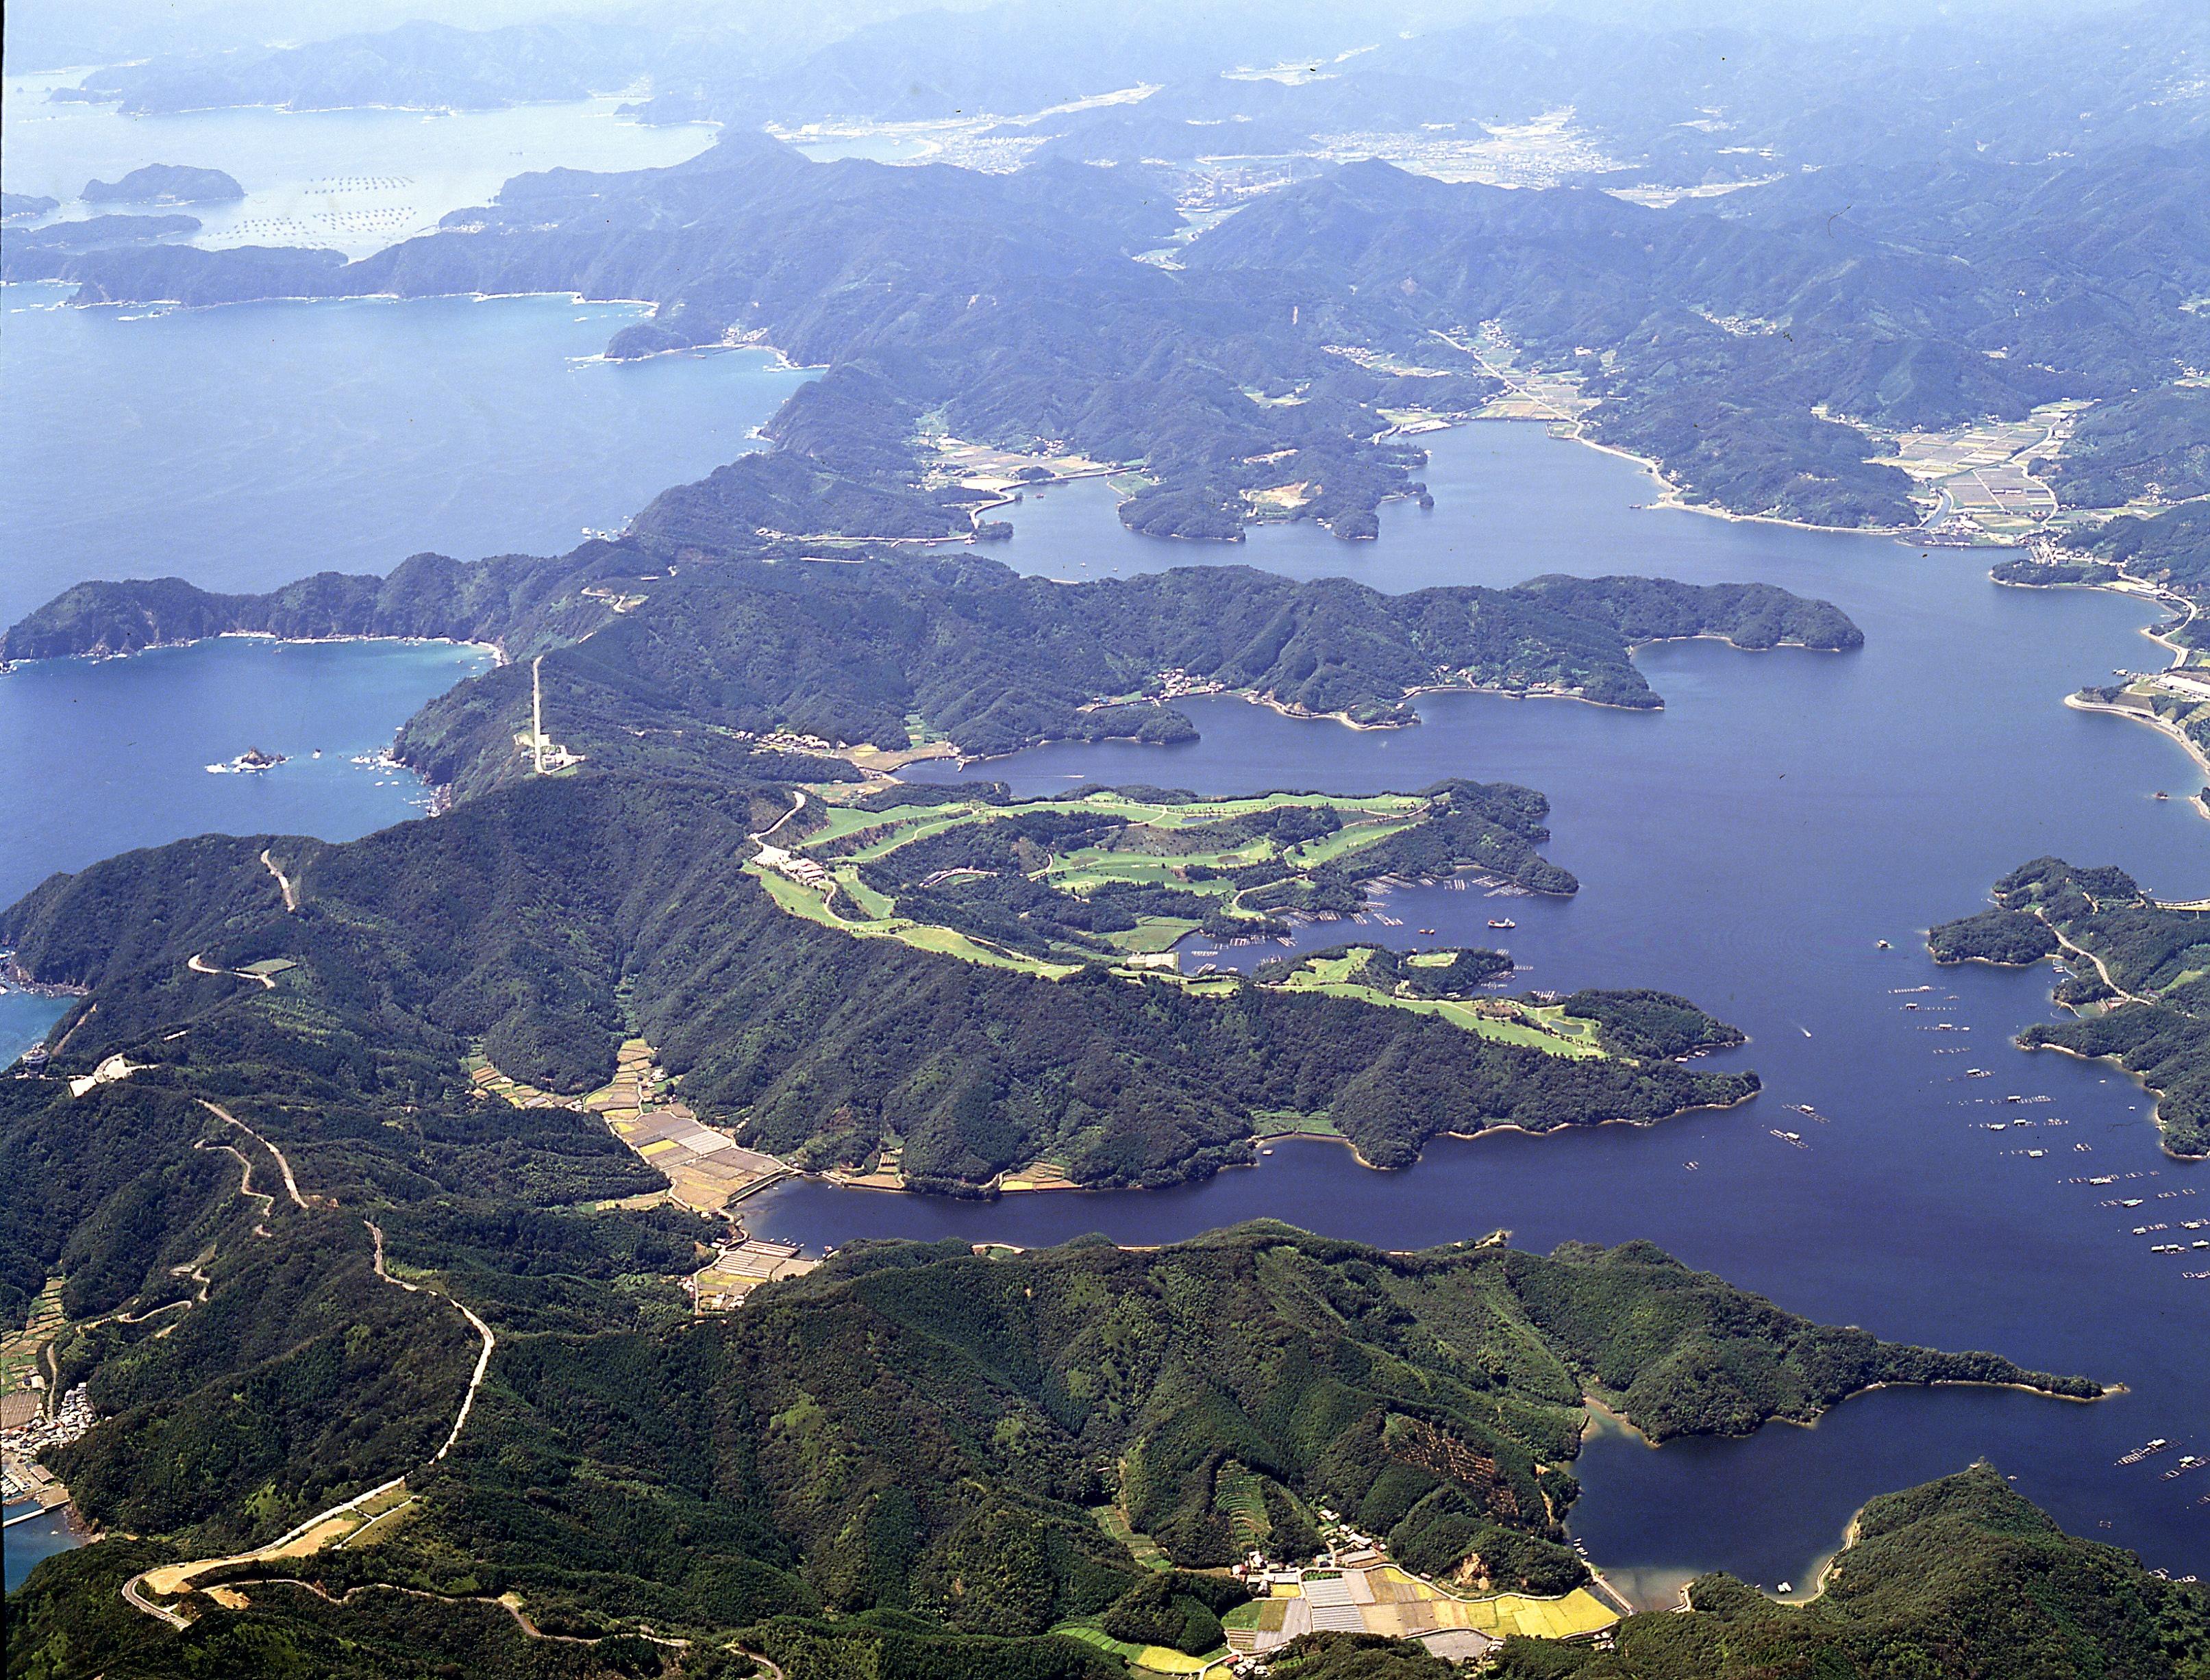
(28, 1543)
(112, 754)
(246, 446)
(1748, 847)
(341, 180)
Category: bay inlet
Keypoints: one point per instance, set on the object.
(1748, 847)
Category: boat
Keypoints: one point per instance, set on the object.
(1883, 945)
(1426, 931)
(1502, 922)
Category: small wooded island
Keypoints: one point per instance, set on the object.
(166, 183)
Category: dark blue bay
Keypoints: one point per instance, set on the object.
(1748, 845)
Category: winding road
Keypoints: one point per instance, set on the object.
(483, 1360)
(291, 1184)
(307, 1537)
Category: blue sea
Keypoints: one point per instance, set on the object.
(343, 180)
(244, 446)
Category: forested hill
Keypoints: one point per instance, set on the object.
(1762, 352)
(1961, 1576)
(549, 921)
(426, 595)
(921, 1428)
(857, 653)
(1884, 301)
(1007, 306)
(996, 661)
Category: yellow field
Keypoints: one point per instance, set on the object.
(1405, 1606)
(1160, 1659)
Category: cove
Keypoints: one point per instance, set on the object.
(246, 446)
(1748, 847)
(30, 1542)
(112, 754)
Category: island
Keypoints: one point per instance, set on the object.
(166, 183)
(2134, 981)
(252, 760)
(22, 205)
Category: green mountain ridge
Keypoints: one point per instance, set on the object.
(922, 1429)
(652, 673)
(549, 921)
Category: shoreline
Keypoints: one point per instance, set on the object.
(499, 656)
(2137, 589)
(1671, 498)
(2162, 726)
(1602, 1416)
(2163, 1137)
(993, 1192)
(1594, 1406)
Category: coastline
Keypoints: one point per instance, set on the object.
(1596, 1405)
(2163, 1137)
(499, 654)
(2162, 726)
(1462, 1137)
(2133, 588)
(1671, 496)
(995, 1191)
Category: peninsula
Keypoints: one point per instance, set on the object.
(819, 1017)
(2134, 982)
(658, 655)
(1014, 1486)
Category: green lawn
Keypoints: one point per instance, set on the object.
(1351, 837)
(922, 935)
(1155, 933)
(1547, 1027)
(870, 902)
(1147, 1659)
(867, 912)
